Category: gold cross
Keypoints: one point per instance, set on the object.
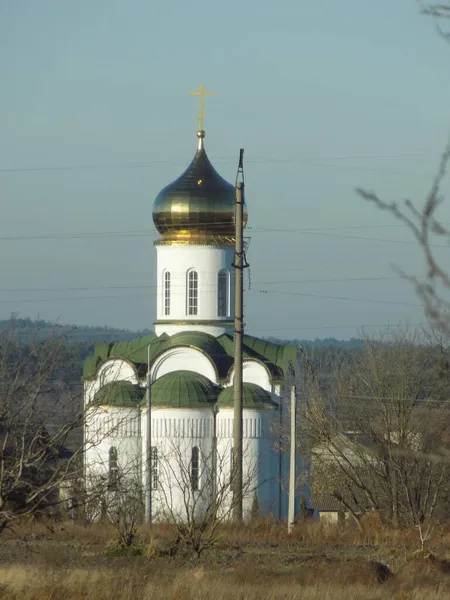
(201, 92)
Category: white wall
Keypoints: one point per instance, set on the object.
(187, 359)
(107, 427)
(113, 369)
(174, 433)
(260, 458)
(207, 261)
(253, 372)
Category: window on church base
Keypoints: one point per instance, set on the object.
(113, 470)
(231, 466)
(192, 293)
(222, 294)
(154, 479)
(195, 469)
(167, 293)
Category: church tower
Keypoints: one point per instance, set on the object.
(194, 216)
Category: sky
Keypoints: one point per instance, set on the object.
(324, 97)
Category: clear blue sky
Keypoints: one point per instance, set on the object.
(323, 96)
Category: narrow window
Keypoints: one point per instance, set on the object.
(231, 466)
(195, 469)
(113, 473)
(154, 456)
(192, 295)
(222, 294)
(167, 293)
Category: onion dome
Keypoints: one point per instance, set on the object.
(254, 396)
(183, 389)
(198, 207)
(119, 393)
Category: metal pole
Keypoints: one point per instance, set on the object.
(148, 446)
(280, 461)
(237, 474)
(214, 463)
(292, 460)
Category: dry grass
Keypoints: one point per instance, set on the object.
(195, 583)
(67, 560)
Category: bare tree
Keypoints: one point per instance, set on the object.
(118, 498)
(373, 438)
(193, 490)
(34, 458)
(424, 222)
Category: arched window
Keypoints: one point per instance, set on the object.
(113, 470)
(167, 293)
(222, 293)
(195, 469)
(154, 467)
(231, 466)
(192, 293)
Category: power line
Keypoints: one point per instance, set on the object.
(183, 285)
(151, 235)
(346, 298)
(126, 297)
(324, 327)
(254, 160)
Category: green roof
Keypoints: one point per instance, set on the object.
(183, 389)
(119, 393)
(275, 357)
(254, 396)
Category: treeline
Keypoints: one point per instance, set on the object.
(324, 355)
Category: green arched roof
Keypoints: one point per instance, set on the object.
(276, 357)
(254, 396)
(119, 393)
(183, 389)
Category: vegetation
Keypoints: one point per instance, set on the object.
(380, 439)
(73, 561)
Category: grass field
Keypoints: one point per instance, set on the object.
(69, 561)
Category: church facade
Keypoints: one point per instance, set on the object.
(187, 368)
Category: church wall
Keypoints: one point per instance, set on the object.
(112, 427)
(114, 369)
(175, 432)
(260, 458)
(254, 372)
(187, 359)
(207, 261)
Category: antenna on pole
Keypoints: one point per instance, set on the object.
(239, 265)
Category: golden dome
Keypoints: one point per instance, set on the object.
(198, 207)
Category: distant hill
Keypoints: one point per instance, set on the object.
(41, 330)
(324, 355)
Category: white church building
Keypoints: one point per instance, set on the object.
(188, 362)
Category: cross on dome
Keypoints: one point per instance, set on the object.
(201, 92)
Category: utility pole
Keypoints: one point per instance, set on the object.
(292, 460)
(239, 265)
(148, 447)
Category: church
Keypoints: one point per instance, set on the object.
(184, 372)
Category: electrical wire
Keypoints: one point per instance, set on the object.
(152, 236)
(254, 160)
(183, 285)
(346, 298)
